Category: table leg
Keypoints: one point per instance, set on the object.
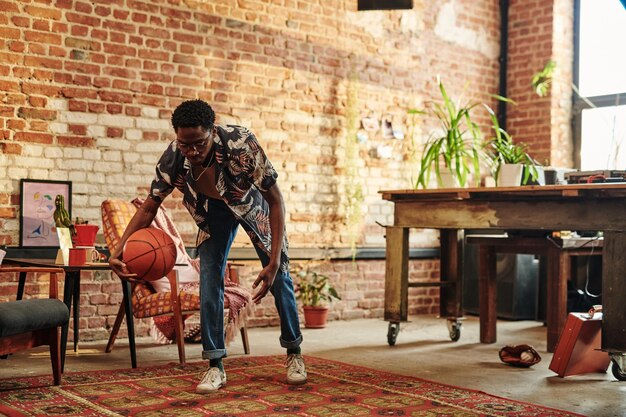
(451, 270)
(613, 290)
(20, 285)
(76, 297)
(68, 291)
(559, 270)
(127, 292)
(397, 274)
(487, 294)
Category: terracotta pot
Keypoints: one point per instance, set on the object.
(315, 317)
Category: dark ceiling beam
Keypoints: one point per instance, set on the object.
(384, 4)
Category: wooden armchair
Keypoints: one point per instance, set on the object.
(146, 301)
(25, 324)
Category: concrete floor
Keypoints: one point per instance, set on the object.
(423, 349)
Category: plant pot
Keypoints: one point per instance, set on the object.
(510, 175)
(85, 235)
(315, 317)
(448, 180)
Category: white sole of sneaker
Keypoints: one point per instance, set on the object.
(208, 391)
(296, 382)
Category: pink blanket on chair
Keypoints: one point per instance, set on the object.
(237, 298)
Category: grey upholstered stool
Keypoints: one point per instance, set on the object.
(25, 324)
(25, 316)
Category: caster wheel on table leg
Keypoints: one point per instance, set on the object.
(454, 329)
(618, 373)
(392, 333)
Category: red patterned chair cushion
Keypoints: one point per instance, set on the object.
(157, 304)
(116, 215)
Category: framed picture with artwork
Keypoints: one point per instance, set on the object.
(37, 205)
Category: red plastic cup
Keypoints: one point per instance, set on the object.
(78, 256)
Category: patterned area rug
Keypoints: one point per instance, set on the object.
(256, 387)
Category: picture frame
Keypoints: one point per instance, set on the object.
(37, 226)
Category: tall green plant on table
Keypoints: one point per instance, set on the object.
(501, 150)
(457, 146)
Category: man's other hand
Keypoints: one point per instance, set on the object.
(266, 277)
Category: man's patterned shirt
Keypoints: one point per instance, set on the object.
(242, 171)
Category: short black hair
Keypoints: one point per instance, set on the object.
(193, 113)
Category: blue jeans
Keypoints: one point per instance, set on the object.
(213, 255)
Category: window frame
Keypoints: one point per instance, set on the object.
(581, 103)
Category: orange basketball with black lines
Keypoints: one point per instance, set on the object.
(150, 253)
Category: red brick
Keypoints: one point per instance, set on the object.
(16, 124)
(132, 111)
(97, 107)
(33, 137)
(115, 97)
(11, 58)
(32, 113)
(114, 108)
(78, 129)
(48, 38)
(120, 85)
(115, 132)
(9, 33)
(8, 7)
(11, 148)
(77, 105)
(79, 141)
(43, 62)
(83, 93)
(83, 19)
(38, 126)
(101, 82)
(20, 21)
(150, 136)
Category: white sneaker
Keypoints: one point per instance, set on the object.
(212, 380)
(296, 372)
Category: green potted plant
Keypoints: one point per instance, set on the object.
(456, 148)
(511, 164)
(314, 291)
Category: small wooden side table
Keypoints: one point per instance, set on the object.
(558, 253)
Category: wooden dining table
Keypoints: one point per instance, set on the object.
(583, 207)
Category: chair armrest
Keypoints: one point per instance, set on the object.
(54, 287)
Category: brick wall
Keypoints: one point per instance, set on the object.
(540, 31)
(87, 89)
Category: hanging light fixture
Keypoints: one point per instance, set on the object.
(385, 4)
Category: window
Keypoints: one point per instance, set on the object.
(600, 74)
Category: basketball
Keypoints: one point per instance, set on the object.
(150, 253)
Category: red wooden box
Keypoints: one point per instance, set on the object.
(578, 350)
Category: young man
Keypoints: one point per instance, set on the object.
(226, 181)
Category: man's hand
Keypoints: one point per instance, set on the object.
(267, 276)
(120, 269)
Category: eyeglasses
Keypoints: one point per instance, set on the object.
(197, 146)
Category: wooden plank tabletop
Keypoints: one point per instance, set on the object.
(600, 190)
(90, 266)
